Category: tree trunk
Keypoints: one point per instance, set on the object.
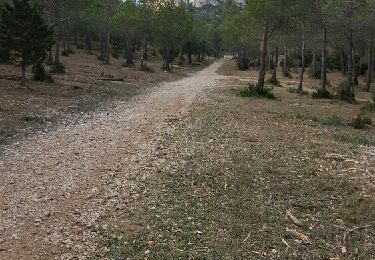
(75, 38)
(57, 53)
(369, 66)
(23, 77)
(50, 56)
(108, 48)
(129, 52)
(314, 64)
(189, 57)
(285, 68)
(167, 59)
(342, 62)
(274, 72)
(102, 48)
(145, 50)
(349, 84)
(355, 70)
(63, 37)
(324, 68)
(302, 66)
(88, 42)
(262, 57)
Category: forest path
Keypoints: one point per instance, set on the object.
(56, 186)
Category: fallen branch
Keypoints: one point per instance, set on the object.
(295, 220)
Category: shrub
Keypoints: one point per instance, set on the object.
(57, 68)
(243, 63)
(333, 120)
(40, 73)
(146, 68)
(343, 95)
(321, 94)
(115, 55)
(253, 90)
(287, 75)
(274, 82)
(33, 119)
(360, 121)
(65, 53)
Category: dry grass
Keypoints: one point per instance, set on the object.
(238, 165)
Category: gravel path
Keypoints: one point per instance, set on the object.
(55, 186)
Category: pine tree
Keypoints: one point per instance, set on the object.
(24, 36)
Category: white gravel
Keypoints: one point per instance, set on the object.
(55, 186)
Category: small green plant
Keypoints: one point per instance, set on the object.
(358, 139)
(333, 120)
(300, 116)
(321, 94)
(33, 120)
(274, 82)
(253, 90)
(361, 121)
(57, 68)
(368, 106)
(65, 53)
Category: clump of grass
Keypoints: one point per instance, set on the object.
(33, 119)
(146, 68)
(274, 82)
(368, 107)
(333, 120)
(57, 68)
(361, 121)
(321, 94)
(253, 90)
(357, 139)
(40, 73)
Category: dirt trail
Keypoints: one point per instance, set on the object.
(55, 186)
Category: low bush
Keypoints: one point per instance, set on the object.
(361, 121)
(273, 82)
(57, 68)
(343, 94)
(253, 90)
(65, 53)
(146, 68)
(40, 73)
(321, 94)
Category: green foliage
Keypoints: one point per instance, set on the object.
(57, 68)
(321, 94)
(274, 82)
(253, 90)
(24, 36)
(171, 25)
(333, 120)
(40, 73)
(33, 119)
(357, 139)
(343, 94)
(65, 53)
(361, 121)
